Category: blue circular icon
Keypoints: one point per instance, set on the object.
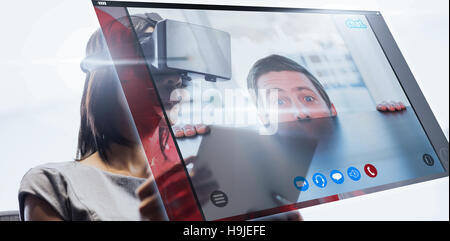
(353, 173)
(337, 176)
(300, 183)
(320, 180)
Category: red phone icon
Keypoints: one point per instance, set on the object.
(370, 170)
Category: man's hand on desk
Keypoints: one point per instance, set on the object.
(391, 106)
(190, 130)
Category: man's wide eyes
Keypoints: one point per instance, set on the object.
(308, 98)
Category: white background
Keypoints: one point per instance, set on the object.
(43, 42)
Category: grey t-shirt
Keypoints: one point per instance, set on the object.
(80, 192)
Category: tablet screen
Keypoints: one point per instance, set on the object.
(292, 109)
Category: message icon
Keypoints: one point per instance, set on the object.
(337, 176)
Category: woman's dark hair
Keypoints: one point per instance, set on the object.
(278, 63)
(100, 102)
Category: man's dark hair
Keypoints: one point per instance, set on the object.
(276, 63)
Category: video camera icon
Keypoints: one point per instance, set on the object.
(301, 183)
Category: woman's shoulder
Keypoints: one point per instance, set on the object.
(49, 176)
(47, 173)
(47, 182)
(52, 168)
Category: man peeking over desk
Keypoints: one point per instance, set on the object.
(300, 95)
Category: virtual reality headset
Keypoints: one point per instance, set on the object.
(179, 47)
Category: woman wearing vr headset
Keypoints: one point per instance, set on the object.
(110, 178)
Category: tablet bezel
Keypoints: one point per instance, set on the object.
(393, 55)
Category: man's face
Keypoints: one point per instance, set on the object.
(297, 99)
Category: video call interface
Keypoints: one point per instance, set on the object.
(298, 107)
